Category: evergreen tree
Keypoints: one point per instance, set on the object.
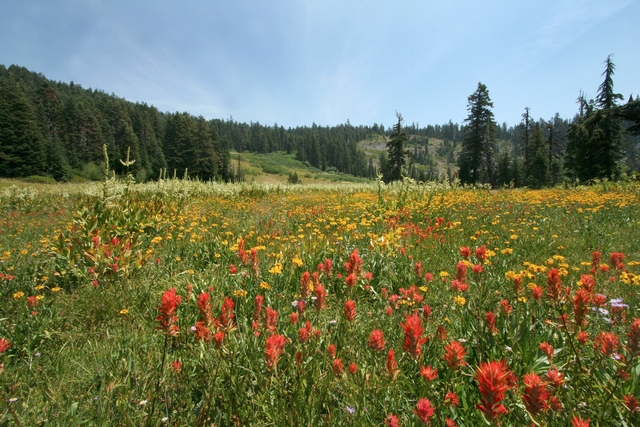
(396, 152)
(477, 159)
(205, 163)
(22, 151)
(538, 166)
(594, 147)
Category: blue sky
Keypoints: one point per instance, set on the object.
(296, 62)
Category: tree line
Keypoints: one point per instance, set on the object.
(601, 142)
(58, 129)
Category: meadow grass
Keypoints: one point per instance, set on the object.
(522, 302)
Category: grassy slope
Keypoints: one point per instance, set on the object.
(275, 168)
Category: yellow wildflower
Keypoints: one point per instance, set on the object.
(297, 262)
(459, 300)
(239, 293)
(18, 295)
(265, 285)
(276, 269)
(124, 311)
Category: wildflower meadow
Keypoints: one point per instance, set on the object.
(181, 303)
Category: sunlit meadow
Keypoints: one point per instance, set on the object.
(183, 303)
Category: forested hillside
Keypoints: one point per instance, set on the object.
(58, 130)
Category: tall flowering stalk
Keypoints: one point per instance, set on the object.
(424, 410)
(493, 381)
(168, 318)
(535, 394)
(273, 349)
(413, 340)
(454, 354)
(167, 323)
(350, 310)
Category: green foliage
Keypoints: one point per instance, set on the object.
(396, 152)
(293, 178)
(22, 151)
(477, 160)
(595, 141)
(37, 179)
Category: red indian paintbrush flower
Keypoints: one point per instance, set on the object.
(547, 349)
(461, 271)
(417, 268)
(426, 312)
(631, 403)
(465, 252)
(271, 320)
(554, 288)
(350, 310)
(258, 307)
(351, 280)
(392, 421)
(424, 410)
(273, 349)
(579, 422)
(581, 301)
(493, 381)
(451, 399)
(337, 367)
(413, 329)
(354, 266)
(555, 379)
(168, 307)
(454, 355)
(4, 345)
(202, 332)
(328, 266)
(634, 337)
(506, 307)
(321, 296)
(218, 337)
(606, 343)
(481, 252)
(294, 317)
(588, 282)
(227, 312)
(392, 366)
(535, 394)
(428, 373)
(376, 340)
(304, 284)
(490, 321)
(204, 306)
(305, 332)
(353, 368)
(616, 259)
(595, 262)
(331, 351)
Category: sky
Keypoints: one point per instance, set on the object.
(298, 62)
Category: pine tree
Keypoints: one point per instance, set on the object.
(22, 151)
(594, 146)
(396, 152)
(477, 159)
